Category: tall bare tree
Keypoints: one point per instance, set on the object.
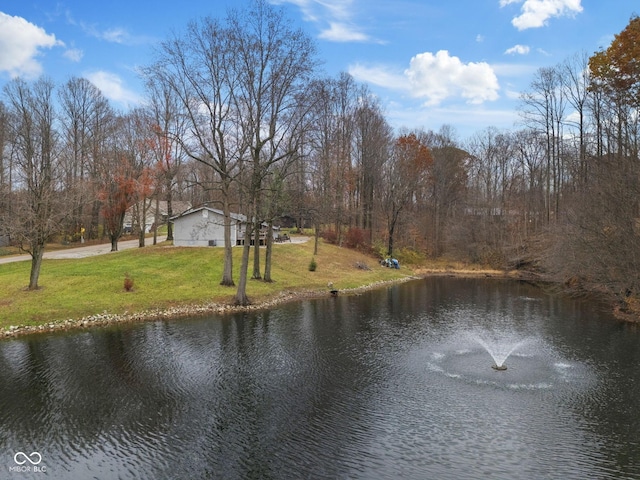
(6, 170)
(84, 114)
(273, 64)
(331, 143)
(195, 71)
(491, 177)
(137, 141)
(446, 182)
(575, 77)
(543, 109)
(168, 125)
(39, 208)
(372, 139)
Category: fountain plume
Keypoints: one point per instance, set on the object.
(499, 349)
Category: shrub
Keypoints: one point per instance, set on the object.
(409, 256)
(356, 238)
(330, 236)
(313, 265)
(128, 283)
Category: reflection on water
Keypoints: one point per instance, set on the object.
(390, 384)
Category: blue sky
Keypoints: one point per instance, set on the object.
(431, 62)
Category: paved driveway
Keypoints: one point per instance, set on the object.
(81, 252)
(104, 248)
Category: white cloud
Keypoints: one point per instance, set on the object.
(435, 78)
(112, 87)
(380, 76)
(517, 49)
(512, 94)
(467, 119)
(314, 10)
(73, 54)
(337, 14)
(116, 35)
(20, 44)
(340, 32)
(535, 13)
(440, 76)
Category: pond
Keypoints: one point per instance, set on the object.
(393, 383)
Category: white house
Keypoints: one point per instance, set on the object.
(204, 226)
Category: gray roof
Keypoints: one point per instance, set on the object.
(235, 216)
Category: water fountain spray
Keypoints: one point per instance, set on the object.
(499, 351)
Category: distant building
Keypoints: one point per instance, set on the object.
(204, 227)
(133, 214)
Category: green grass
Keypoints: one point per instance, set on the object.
(166, 276)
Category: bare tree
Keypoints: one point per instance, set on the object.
(39, 208)
(405, 169)
(195, 71)
(273, 64)
(373, 138)
(446, 182)
(575, 78)
(331, 144)
(491, 177)
(543, 109)
(530, 159)
(6, 170)
(83, 115)
(137, 141)
(168, 124)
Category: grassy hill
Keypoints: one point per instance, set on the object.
(166, 277)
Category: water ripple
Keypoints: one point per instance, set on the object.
(388, 385)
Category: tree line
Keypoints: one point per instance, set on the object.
(236, 115)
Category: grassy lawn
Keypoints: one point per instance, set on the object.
(166, 276)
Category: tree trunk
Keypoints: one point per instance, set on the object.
(36, 263)
(256, 252)
(227, 274)
(316, 238)
(241, 294)
(436, 231)
(155, 221)
(169, 213)
(392, 227)
(269, 248)
(143, 224)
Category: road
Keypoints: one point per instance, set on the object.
(81, 252)
(101, 249)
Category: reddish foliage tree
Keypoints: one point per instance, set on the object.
(118, 193)
(616, 70)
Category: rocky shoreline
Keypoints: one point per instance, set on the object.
(184, 311)
(217, 308)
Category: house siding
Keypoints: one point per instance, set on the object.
(199, 228)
